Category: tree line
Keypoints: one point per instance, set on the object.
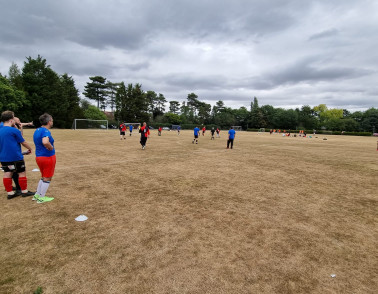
(37, 88)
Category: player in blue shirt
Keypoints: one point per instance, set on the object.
(19, 125)
(45, 156)
(131, 129)
(11, 157)
(231, 137)
(14, 176)
(196, 132)
(178, 130)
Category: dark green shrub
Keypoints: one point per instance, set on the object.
(357, 133)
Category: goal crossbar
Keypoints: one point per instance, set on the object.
(82, 123)
(135, 125)
(237, 128)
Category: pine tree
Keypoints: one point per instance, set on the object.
(174, 106)
(256, 119)
(97, 90)
(44, 92)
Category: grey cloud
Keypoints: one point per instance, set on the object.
(193, 81)
(324, 34)
(84, 23)
(234, 20)
(131, 25)
(308, 72)
(137, 66)
(158, 43)
(82, 70)
(98, 68)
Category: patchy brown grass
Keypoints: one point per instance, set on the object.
(274, 215)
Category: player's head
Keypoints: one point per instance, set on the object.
(231, 128)
(17, 122)
(7, 116)
(144, 124)
(46, 120)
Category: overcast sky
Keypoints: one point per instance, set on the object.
(287, 53)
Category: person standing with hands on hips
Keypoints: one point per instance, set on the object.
(231, 137)
(45, 157)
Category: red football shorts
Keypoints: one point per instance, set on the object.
(46, 165)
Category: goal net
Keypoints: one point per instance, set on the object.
(136, 126)
(237, 128)
(79, 124)
(175, 127)
(262, 130)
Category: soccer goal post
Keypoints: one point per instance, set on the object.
(135, 125)
(175, 127)
(83, 124)
(237, 128)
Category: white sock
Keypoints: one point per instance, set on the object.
(44, 187)
(39, 187)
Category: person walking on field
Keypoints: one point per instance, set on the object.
(218, 131)
(212, 133)
(122, 131)
(203, 131)
(45, 156)
(144, 133)
(11, 157)
(231, 137)
(131, 129)
(196, 132)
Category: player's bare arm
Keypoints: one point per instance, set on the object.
(47, 144)
(29, 124)
(27, 146)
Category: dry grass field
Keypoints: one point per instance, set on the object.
(273, 215)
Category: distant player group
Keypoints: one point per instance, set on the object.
(123, 129)
(12, 158)
(231, 135)
(145, 133)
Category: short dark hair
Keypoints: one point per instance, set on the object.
(7, 115)
(45, 118)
